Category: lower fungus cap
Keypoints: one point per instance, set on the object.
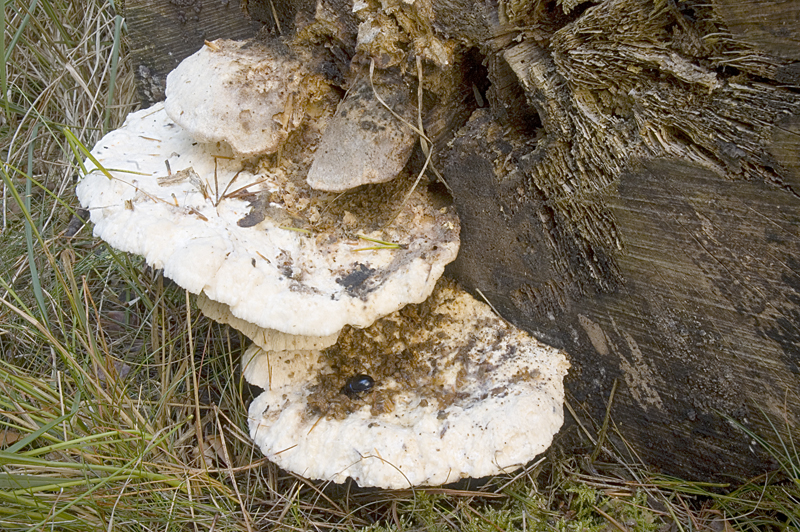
(266, 339)
(243, 234)
(456, 392)
(273, 370)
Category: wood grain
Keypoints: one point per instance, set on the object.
(652, 230)
(163, 33)
(772, 26)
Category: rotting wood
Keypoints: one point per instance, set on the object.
(772, 27)
(665, 187)
(628, 179)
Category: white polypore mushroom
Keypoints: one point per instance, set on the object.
(458, 393)
(223, 228)
(250, 94)
(364, 142)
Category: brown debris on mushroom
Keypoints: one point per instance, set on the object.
(457, 393)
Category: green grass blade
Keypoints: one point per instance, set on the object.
(112, 81)
(3, 62)
(11, 481)
(54, 17)
(29, 224)
(7, 458)
(18, 34)
(78, 148)
(14, 449)
(105, 438)
(36, 284)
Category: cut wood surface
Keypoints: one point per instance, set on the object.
(163, 33)
(627, 174)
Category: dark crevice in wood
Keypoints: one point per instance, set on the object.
(552, 15)
(510, 102)
(727, 72)
(472, 88)
(475, 73)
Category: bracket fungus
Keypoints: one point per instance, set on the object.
(227, 188)
(249, 94)
(241, 234)
(266, 339)
(457, 393)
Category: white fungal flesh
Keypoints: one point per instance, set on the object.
(509, 404)
(248, 94)
(266, 339)
(177, 202)
(271, 370)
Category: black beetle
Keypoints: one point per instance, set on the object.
(357, 385)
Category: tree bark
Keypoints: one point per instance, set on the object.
(627, 174)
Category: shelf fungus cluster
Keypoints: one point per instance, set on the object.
(425, 396)
(281, 200)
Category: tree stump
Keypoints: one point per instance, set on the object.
(627, 174)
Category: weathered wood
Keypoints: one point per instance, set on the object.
(627, 174)
(163, 33)
(652, 232)
(770, 26)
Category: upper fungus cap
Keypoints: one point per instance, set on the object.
(250, 94)
(188, 207)
(457, 393)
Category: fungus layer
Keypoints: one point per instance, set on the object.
(271, 370)
(250, 94)
(255, 237)
(458, 393)
(365, 143)
(266, 339)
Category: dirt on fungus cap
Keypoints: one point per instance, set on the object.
(457, 393)
(221, 227)
(364, 142)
